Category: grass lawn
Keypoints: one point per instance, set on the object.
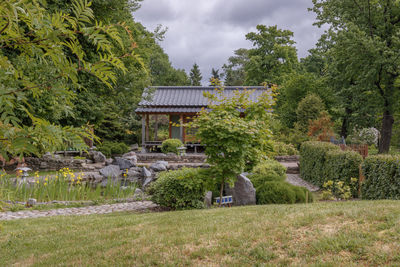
(325, 233)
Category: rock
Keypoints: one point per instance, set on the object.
(88, 161)
(44, 165)
(123, 163)
(97, 156)
(129, 154)
(159, 166)
(147, 182)
(138, 194)
(109, 161)
(146, 173)
(243, 192)
(31, 202)
(47, 155)
(110, 171)
(134, 147)
(208, 199)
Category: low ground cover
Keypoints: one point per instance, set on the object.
(328, 233)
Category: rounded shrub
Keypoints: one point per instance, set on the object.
(275, 193)
(180, 189)
(171, 146)
(303, 195)
(268, 170)
(282, 149)
(113, 148)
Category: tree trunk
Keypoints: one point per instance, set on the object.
(386, 132)
(221, 191)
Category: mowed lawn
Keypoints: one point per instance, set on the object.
(349, 233)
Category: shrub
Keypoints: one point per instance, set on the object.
(180, 189)
(109, 148)
(309, 108)
(382, 177)
(303, 195)
(275, 193)
(171, 146)
(343, 166)
(282, 149)
(268, 171)
(321, 162)
(312, 160)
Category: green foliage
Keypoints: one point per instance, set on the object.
(109, 148)
(180, 189)
(228, 137)
(313, 161)
(268, 170)
(274, 55)
(308, 110)
(364, 56)
(282, 149)
(343, 166)
(275, 193)
(195, 75)
(382, 177)
(63, 186)
(234, 71)
(321, 162)
(339, 189)
(171, 146)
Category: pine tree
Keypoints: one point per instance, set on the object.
(195, 75)
(215, 76)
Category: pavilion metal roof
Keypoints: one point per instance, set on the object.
(185, 99)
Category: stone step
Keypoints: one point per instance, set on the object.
(291, 167)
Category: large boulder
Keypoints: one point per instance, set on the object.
(131, 156)
(97, 156)
(110, 171)
(146, 173)
(123, 163)
(159, 166)
(208, 199)
(243, 192)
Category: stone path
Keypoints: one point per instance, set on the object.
(295, 179)
(103, 209)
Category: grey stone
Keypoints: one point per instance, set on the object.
(110, 171)
(109, 161)
(138, 194)
(146, 173)
(123, 163)
(43, 165)
(159, 166)
(129, 154)
(147, 181)
(208, 199)
(47, 155)
(243, 192)
(97, 156)
(31, 202)
(134, 147)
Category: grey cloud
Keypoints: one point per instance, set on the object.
(208, 31)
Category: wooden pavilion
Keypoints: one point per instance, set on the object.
(180, 104)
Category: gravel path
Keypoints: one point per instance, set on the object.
(295, 179)
(103, 209)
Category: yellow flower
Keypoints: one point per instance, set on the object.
(37, 181)
(72, 180)
(46, 179)
(45, 184)
(78, 182)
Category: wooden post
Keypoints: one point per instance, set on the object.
(170, 126)
(147, 128)
(155, 128)
(181, 129)
(143, 134)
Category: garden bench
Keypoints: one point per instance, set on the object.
(226, 200)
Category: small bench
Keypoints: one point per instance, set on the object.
(226, 200)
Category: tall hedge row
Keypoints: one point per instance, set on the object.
(382, 177)
(312, 160)
(321, 162)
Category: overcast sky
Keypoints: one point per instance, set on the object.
(208, 31)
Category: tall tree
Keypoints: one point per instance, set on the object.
(234, 72)
(215, 76)
(367, 47)
(274, 55)
(195, 75)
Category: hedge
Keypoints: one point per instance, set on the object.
(382, 177)
(342, 166)
(312, 160)
(321, 162)
(171, 146)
